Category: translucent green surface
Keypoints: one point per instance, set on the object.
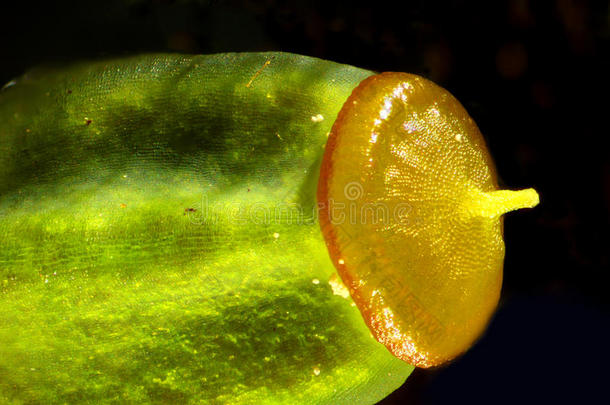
(158, 242)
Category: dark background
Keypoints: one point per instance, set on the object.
(533, 75)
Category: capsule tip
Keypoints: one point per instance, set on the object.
(496, 203)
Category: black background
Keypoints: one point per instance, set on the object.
(533, 75)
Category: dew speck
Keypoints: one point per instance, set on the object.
(317, 118)
(9, 84)
(434, 112)
(338, 287)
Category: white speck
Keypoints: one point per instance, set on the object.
(397, 93)
(315, 281)
(317, 118)
(387, 108)
(9, 84)
(316, 371)
(410, 126)
(374, 136)
(338, 287)
(459, 137)
(124, 176)
(341, 261)
(276, 235)
(46, 280)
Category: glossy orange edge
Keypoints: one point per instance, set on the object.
(330, 236)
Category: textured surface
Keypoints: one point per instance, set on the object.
(157, 243)
(412, 217)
